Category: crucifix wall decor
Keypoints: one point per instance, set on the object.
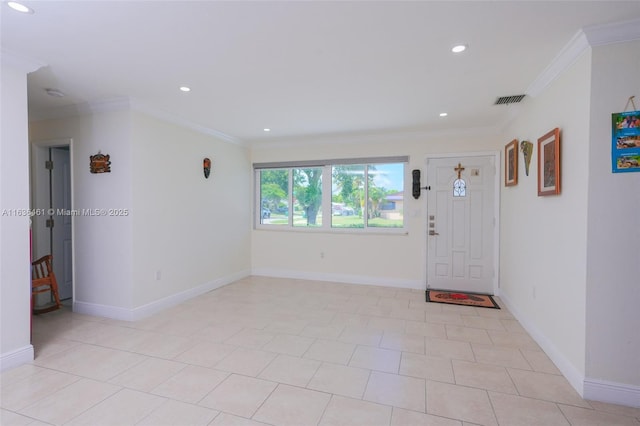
(459, 185)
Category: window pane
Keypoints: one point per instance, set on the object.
(307, 197)
(274, 196)
(385, 206)
(347, 196)
(360, 195)
(459, 188)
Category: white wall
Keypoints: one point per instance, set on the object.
(103, 243)
(181, 234)
(15, 275)
(613, 256)
(570, 263)
(543, 239)
(193, 232)
(390, 260)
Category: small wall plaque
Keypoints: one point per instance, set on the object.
(206, 163)
(99, 163)
(527, 151)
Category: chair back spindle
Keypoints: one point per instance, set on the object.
(43, 280)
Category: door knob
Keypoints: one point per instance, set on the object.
(432, 232)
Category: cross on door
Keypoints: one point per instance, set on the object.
(459, 169)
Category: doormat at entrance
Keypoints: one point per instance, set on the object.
(459, 298)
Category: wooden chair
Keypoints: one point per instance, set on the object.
(43, 280)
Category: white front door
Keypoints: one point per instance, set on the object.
(461, 224)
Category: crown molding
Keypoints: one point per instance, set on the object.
(20, 62)
(123, 104)
(618, 32)
(368, 137)
(153, 111)
(562, 61)
(596, 35)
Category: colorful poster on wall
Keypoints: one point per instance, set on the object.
(625, 142)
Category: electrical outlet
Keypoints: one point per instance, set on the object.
(158, 275)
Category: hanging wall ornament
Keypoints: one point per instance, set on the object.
(206, 163)
(625, 139)
(527, 151)
(99, 163)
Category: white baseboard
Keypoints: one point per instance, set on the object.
(104, 311)
(175, 299)
(340, 278)
(613, 393)
(573, 376)
(589, 389)
(16, 358)
(124, 314)
(151, 308)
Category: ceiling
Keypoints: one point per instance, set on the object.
(302, 69)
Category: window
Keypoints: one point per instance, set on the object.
(307, 196)
(351, 194)
(347, 196)
(274, 193)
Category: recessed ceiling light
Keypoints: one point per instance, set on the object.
(185, 89)
(55, 93)
(19, 7)
(443, 114)
(459, 48)
(266, 129)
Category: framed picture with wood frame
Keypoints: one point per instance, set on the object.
(549, 163)
(511, 163)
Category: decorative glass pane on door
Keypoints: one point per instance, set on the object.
(459, 188)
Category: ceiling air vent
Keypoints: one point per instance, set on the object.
(505, 100)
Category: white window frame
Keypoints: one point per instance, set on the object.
(326, 166)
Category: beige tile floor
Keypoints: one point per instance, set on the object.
(292, 352)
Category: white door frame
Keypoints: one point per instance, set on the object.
(496, 208)
(38, 151)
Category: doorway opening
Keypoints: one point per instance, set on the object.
(463, 222)
(52, 205)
